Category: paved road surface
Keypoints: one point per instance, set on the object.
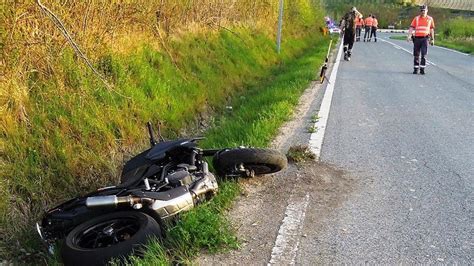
(409, 141)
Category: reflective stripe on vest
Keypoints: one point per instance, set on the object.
(421, 31)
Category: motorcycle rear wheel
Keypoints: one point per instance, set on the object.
(116, 234)
(260, 161)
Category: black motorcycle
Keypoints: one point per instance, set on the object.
(156, 185)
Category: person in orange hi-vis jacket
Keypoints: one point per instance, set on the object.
(421, 31)
(359, 26)
(375, 25)
(368, 27)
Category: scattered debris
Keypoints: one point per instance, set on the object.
(300, 153)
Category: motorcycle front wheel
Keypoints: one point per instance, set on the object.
(258, 161)
(102, 238)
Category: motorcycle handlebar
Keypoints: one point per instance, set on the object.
(150, 133)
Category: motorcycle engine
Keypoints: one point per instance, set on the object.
(181, 177)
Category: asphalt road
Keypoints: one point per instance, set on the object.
(408, 140)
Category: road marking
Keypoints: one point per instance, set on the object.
(399, 47)
(316, 138)
(454, 51)
(287, 242)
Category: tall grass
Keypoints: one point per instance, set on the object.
(254, 121)
(458, 34)
(64, 133)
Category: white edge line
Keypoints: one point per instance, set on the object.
(399, 47)
(286, 244)
(396, 46)
(437, 46)
(316, 138)
(454, 51)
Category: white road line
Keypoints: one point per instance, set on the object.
(396, 45)
(287, 241)
(454, 51)
(316, 139)
(399, 47)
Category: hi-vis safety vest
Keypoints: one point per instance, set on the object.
(375, 23)
(359, 22)
(368, 22)
(422, 25)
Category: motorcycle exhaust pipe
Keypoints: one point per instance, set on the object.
(114, 201)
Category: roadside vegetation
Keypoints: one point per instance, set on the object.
(399, 13)
(65, 132)
(254, 121)
(299, 154)
(457, 34)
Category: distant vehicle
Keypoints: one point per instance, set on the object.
(334, 30)
(391, 27)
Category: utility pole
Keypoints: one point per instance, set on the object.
(280, 24)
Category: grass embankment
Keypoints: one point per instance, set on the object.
(64, 133)
(254, 121)
(457, 34)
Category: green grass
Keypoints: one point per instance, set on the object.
(461, 45)
(397, 37)
(300, 153)
(457, 34)
(254, 121)
(78, 133)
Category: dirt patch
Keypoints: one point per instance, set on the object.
(258, 213)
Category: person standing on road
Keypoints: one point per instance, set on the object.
(348, 28)
(368, 27)
(359, 26)
(423, 27)
(375, 25)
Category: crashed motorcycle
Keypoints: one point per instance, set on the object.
(167, 179)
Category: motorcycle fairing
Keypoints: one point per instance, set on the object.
(139, 165)
(158, 152)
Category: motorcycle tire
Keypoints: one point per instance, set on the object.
(260, 161)
(113, 235)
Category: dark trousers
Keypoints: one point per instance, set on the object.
(358, 32)
(373, 33)
(420, 46)
(349, 38)
(367, 32)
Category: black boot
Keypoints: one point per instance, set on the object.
(349, 56)
(415, 70)
(422, 71)
(345, 56)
